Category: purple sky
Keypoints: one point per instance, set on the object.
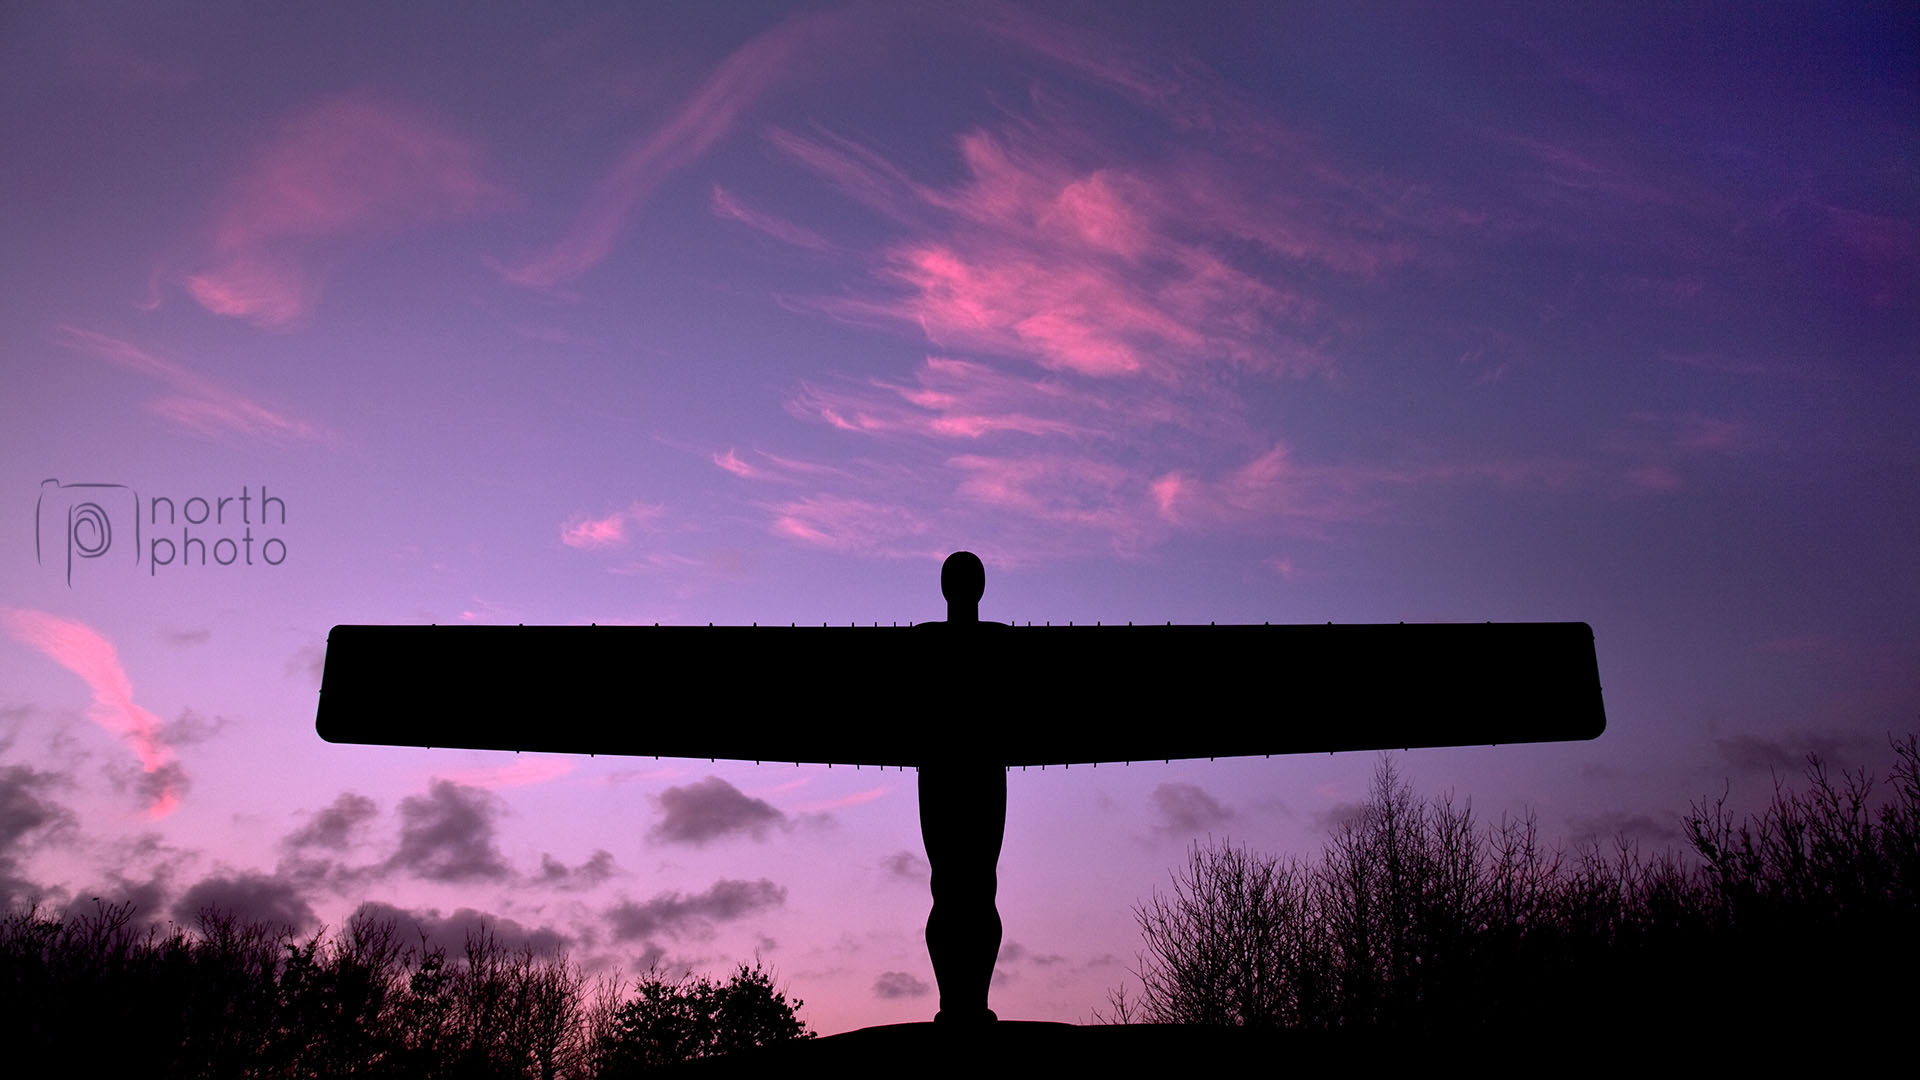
(728, 313)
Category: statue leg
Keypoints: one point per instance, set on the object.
(963, 816)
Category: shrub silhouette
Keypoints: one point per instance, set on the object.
(668, 1021)
(230, 999)
(1418, 919)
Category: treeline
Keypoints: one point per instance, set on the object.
(227, 999)
(1790, 924)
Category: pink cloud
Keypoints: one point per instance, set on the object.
(1067, 319)
(1166, 493)
(87, 653)
(1106, 272)
(524, 770)
(198, 404)
(612, 530)
(341, 170)
(1113, 322)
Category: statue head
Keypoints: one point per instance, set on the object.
(963, 580)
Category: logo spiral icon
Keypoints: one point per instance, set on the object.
(91, 532)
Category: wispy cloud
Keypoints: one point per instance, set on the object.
(87, 653)
(846, 524)
(1181, 92)
(347, 168)
(1655, 449)
(856, 798)
(731, 462)
(198, 403)
(1119, 322)
(1058, 488)
(709, 115)
(955, 399)
(1274, 486)
(729, 207)
(1106, 321)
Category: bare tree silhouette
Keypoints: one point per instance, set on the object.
(1418, 919)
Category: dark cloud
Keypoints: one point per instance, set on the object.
(144, 901)
(710, 810)
(251, 899)
(675, 914)
(1636, 829)
(1594, 770)
(308, 663)
(162, 785)
(598, 868)
(189, 728)
(893, 985)
(24, 808)
(447, 835)
(332, 828)
(28, 818)
(650, 959)
(17, 890)
(1787, 755)
(452, 932)
(1185, 808)
(1340, 815)
(198, 636)
(906, 865)
(1014, 953)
